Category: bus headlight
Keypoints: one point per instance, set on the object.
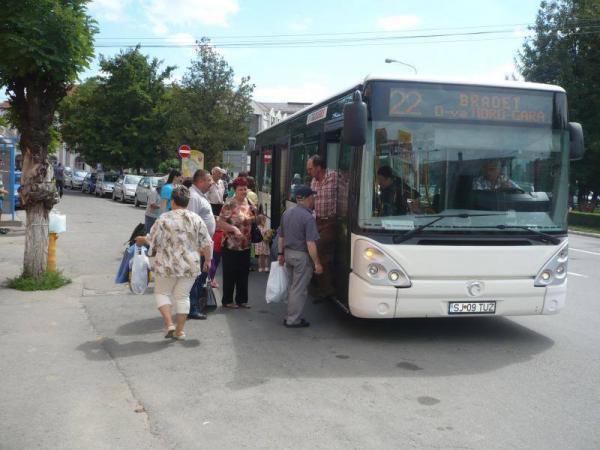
(373, 265)
(555, 270)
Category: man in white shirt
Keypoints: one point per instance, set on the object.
(199, 204)
(216, 192)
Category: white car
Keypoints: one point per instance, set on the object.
(105, 184)
(143, 189)
(76, 179)
(125, 187)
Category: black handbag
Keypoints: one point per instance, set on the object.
(211, 299)
(255, 234)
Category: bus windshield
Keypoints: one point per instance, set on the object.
(413, 170)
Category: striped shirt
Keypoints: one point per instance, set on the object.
(326, 198)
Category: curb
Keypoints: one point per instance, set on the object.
(585, 233)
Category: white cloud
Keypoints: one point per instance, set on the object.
(300, 25)
(396, 23)
(111, 10)
(523, 32)
(304, 92)
(168, 14)
(182, 39)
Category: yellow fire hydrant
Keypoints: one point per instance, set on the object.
(52, 237)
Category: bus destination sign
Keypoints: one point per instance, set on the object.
(457, 104)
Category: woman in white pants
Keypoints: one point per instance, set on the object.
(178, 237)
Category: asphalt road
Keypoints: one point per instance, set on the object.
(242, 380)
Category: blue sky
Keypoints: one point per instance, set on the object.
(308, 74)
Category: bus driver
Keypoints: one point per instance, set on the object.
(493, 179)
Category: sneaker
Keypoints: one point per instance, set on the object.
(260, 270)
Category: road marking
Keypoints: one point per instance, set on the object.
(584, 251)
(577, 274)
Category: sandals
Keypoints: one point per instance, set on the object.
(237, 306)
(179, 337)
(170, 332)
(302, 324)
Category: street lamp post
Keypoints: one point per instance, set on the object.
(389, 61)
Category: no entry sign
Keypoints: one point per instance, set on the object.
(184, 151)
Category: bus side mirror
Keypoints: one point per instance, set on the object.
(576, 148)
(355, 122)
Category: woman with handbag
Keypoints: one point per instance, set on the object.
(179, 237)
(237, 219)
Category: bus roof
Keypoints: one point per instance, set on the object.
(452, 81)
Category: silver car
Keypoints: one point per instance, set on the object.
(105, 184)
(75, 181)
(143, 189)
(125, 187)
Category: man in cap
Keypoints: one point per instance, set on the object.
(297, 245)
(216, 193)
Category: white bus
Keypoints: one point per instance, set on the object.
(451, 198)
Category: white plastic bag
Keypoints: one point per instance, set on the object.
(140, 267)
(57, 222)
(277, 285)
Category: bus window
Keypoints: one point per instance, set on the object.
(299, 156)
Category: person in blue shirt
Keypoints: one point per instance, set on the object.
(173, 180)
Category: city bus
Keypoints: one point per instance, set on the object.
(475, 220)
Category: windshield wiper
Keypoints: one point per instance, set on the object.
(398, 238)
(543, 237)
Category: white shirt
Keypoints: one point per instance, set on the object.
(216, 193)
(200, 205)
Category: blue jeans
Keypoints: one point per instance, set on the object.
(198, 291)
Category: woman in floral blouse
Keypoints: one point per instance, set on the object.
(236, 220)
(178, 237)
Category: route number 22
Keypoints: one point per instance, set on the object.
(404, 103)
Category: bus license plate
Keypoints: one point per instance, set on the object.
(472, 308)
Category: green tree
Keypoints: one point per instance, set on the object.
(119, 119)
(207, 110)
(44, 44)
(565, 50)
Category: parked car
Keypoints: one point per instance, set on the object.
(125, 188)
(143, 189)
(105, 183)
(75, 181)
(68, 174)
(89, 183)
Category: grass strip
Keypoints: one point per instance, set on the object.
(47, 282)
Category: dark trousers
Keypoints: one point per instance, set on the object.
(198, 293)
(325, 249)
(59, 187)
(236, 265)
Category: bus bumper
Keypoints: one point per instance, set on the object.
(431, 298)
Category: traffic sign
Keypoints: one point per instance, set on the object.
(184, 151)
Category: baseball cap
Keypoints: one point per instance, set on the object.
(304, 191)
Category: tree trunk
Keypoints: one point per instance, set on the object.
(36, 179)
(36, 241)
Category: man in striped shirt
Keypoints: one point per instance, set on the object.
(324, 183)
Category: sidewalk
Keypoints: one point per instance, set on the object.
(53, 396)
